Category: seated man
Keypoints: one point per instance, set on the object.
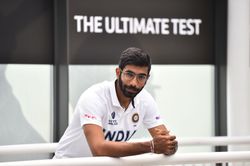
(109, 113)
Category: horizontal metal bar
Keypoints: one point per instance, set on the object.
(145, 159)
(190, 141)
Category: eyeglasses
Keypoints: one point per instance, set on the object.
(129, 75)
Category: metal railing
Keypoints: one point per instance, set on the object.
(190, 141)
(144, 159)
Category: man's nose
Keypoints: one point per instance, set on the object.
(134, 82)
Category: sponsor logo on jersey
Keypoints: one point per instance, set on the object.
(119, 135)
(89, 116)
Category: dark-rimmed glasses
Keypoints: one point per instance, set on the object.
(129, 75)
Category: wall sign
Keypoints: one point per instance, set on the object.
(172, 31)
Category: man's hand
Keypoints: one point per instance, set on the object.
(163, 142)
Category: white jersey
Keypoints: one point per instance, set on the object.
(99, 105)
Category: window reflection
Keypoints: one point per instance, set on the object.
(25, 106)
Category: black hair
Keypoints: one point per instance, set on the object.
(134, 56)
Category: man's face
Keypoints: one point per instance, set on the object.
(132, 79)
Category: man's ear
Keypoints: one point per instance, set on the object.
(118, 72)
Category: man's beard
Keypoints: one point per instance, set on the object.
(124, 88)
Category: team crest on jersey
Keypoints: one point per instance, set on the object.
(135, 117)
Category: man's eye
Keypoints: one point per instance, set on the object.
(130, 74)
(141, 77)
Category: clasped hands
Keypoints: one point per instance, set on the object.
(164, 143)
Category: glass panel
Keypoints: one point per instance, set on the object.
(82, 77)
(184, 94)
(25, 106)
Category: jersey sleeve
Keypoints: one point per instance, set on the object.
(91, 109)
(152, 116)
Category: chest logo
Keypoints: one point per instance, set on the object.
(112, 121)
(113, 115)
(135, 117)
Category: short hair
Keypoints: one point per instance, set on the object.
(135, 56)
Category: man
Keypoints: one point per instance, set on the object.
(109, 113)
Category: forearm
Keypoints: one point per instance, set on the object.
(100, 147)
(120, 149)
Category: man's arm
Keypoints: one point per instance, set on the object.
(100, 147)
(162, 141)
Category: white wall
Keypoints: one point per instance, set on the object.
(238, 76)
